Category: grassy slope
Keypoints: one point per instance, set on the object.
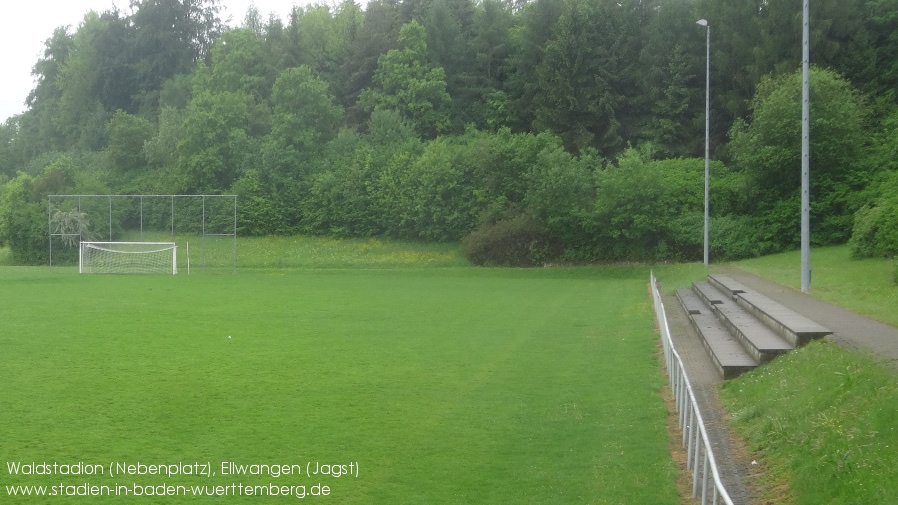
(451, 385)
(823, 419)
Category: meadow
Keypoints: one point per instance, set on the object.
(406, 379)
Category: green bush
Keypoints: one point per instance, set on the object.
(346, 198)
(778, 227)
(431, 198)
(650, 210)
(685, 237)
(561, 194)
(23, 222)
(257, 214)
(734, 237)
(875, 231)
(23, 211)
(863, 242)
(767, 151)
(520, 241)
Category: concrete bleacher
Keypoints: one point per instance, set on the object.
(794, 327)
(727, 353)
(742, 328)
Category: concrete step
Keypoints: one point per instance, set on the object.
(798, 330)
(762, 343)
(726, 284)
(709, 294)
(729, 356)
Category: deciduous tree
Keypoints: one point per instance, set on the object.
(406, 83)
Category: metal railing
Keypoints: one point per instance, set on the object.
(699, 456)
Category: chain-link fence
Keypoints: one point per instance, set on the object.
(203, 226)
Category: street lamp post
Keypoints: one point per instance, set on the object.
(704, 22)
(806, 151)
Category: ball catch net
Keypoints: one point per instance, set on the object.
(207, 222)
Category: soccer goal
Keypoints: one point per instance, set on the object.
(128, 258)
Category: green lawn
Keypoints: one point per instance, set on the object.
(443, 385)
(864, 286)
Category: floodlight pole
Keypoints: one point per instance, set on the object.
(704, 22)
(806, 152)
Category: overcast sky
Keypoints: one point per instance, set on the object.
(26, 24)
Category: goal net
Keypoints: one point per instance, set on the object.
(128, 258)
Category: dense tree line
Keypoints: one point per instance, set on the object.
(536, 131)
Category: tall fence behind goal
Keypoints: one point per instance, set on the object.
(203, 227)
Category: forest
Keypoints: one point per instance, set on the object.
(532, 131)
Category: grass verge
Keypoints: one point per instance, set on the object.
(824, 420)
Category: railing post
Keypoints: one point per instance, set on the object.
(695, 475)
(684, 400)
(697, 450)
(687, 443)
(705, 480)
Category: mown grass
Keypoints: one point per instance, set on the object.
(445, 385)
(824, 421)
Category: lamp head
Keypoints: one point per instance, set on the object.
(703, 22)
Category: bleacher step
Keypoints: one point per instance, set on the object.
(761, 342)
(729, 356)
(798, 330)
(741, 328)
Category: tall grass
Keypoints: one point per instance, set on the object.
(322, 252)
(825, 423)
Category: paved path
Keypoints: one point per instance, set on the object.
(849, 329)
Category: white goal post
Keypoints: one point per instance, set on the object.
(128, 258)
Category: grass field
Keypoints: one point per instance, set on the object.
(438, 385)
